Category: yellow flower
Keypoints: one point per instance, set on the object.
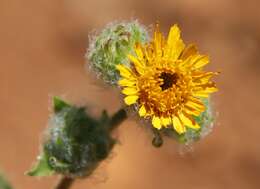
(166, 81)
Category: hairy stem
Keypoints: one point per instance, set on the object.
(64, 183)
(117, 119)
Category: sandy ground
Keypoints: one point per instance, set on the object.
(42, 46)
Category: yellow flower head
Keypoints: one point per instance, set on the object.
(166, 81)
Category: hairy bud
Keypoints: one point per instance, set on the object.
(112, 46)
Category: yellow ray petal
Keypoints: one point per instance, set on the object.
(196, 108)
(192, 111)
(190, 50)
(158, 39)
(200, 61)
(124, 71)
(131, 99)
(142, 111)
(134, 59)
(203, 77)
(179, 48)
(139, 51)
(174, 35)
(200, 74)
(211, 89)
(174, 44)
(210, 86)
(149, 53)
(165, 121)
(126, 83)
(156, 122)
(130, 91)
(195, 103)
(188, 121)
(185, 63)
(201, 94)
(138, 65)
(177, 125)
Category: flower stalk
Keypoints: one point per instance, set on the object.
(64, 183)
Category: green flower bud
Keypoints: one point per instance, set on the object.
(4, 184)
(112, 46)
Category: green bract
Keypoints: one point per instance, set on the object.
(205, 121)
(75, 142)
(112, 46)
(4, 184)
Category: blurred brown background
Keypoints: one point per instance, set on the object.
(42, 46)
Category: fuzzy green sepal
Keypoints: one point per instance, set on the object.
(112, 46)
(75, 142)
(4, 184)
(205, 121)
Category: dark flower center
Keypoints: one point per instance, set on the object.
(169, 79)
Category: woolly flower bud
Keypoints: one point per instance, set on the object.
(75, 142)
(112, 46)
(4, 184)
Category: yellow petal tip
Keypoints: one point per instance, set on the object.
(178, 126)
(129, 100)
(156, 122)
(142, 111)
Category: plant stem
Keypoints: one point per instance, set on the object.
(64, 183)
(117, 119)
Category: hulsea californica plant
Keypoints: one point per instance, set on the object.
(164, 82)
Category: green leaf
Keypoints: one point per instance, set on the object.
(4, 184)
(42, 168)
(59, 104)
